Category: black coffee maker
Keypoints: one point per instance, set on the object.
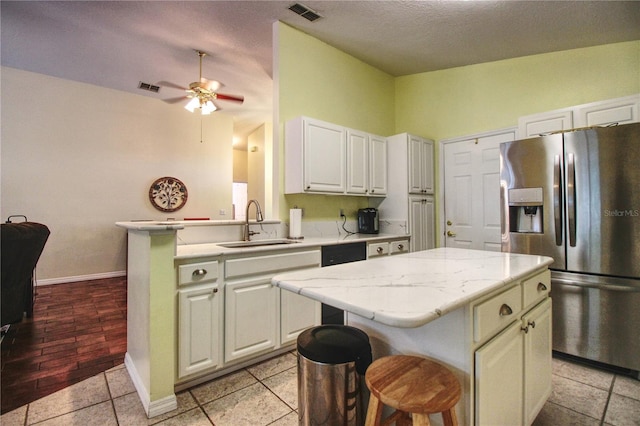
(368, 222)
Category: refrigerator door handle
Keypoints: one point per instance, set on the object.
(571, 198)
(557, 200)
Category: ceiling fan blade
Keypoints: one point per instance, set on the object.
(229, 97)
(175, 100)
(212, 85)
(172, 85)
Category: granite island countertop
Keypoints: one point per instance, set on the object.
(410, 290)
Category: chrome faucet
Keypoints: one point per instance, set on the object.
(259, 218)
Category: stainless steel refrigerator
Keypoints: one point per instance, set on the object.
(575, 196)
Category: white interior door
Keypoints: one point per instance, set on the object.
(472, 191)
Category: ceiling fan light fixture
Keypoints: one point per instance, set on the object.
(208, 107)
(193, 104)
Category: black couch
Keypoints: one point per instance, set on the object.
(22, 245)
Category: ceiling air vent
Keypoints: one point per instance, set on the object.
(150, 87)
(304, 11)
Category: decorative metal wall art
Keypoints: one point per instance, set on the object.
(168, 194)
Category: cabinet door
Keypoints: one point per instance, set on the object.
(416, 224)
(429, 218)
(250, 317)
(199, 319)
(377, 165)
(415, 164)
(547, 122)
(297, 313)
(537, 359)
(427, 167)
(357, 162)
(499, 379)
(421, 223)
(324, 157)
(620, 111)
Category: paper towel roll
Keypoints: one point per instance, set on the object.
(295, 223)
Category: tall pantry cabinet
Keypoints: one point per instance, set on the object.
(410, 195)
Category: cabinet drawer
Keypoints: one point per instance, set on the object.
(377, 249)
(397, 247)
(271, 263)
(536, 288)
(496, 313)
(202, 272)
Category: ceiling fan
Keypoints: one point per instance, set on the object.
(202, 93)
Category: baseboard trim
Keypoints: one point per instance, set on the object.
(152, 408)
(76, 278)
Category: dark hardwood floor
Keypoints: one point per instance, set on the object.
(77, 331)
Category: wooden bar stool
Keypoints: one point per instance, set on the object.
(411, 384)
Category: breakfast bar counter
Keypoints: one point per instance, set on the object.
(485, 315)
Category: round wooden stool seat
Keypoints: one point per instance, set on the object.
(411, 384)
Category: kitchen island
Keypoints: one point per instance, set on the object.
(485, 315)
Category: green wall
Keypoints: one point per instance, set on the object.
(478, 98)
(322, 82)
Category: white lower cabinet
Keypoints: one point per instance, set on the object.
(499, 379)
(297, 313)
(250, 317)
(199, 329)
(229, 312)
(258, 317)
(387, 248)
(422, 222)
(513, 370)
(537, 360)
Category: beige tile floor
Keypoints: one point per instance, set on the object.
(266, 394)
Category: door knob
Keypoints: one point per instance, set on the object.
(451, 234)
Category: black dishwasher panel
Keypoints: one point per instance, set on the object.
(335, 255)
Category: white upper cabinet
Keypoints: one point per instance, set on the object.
(366, 164)
(357, 162)
(548, 122)
(321, 157)
(314, 156)
(420, 165)
(602, 113)
(378, 165)
(615, 111)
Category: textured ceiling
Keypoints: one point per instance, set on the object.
(116, 44)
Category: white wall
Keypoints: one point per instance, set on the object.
(78, 158)
(256, 164)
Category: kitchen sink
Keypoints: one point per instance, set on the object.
(257, 243)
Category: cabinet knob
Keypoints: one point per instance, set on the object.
(379, 250)
(532, 324)
(505, 310)
(451, 234)
(308, 187)
(214, 291)
(525, 329)
(542, 287)
(199, 272)
(372, 191)
(400, 246)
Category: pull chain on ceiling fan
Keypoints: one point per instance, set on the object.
(202, 93)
